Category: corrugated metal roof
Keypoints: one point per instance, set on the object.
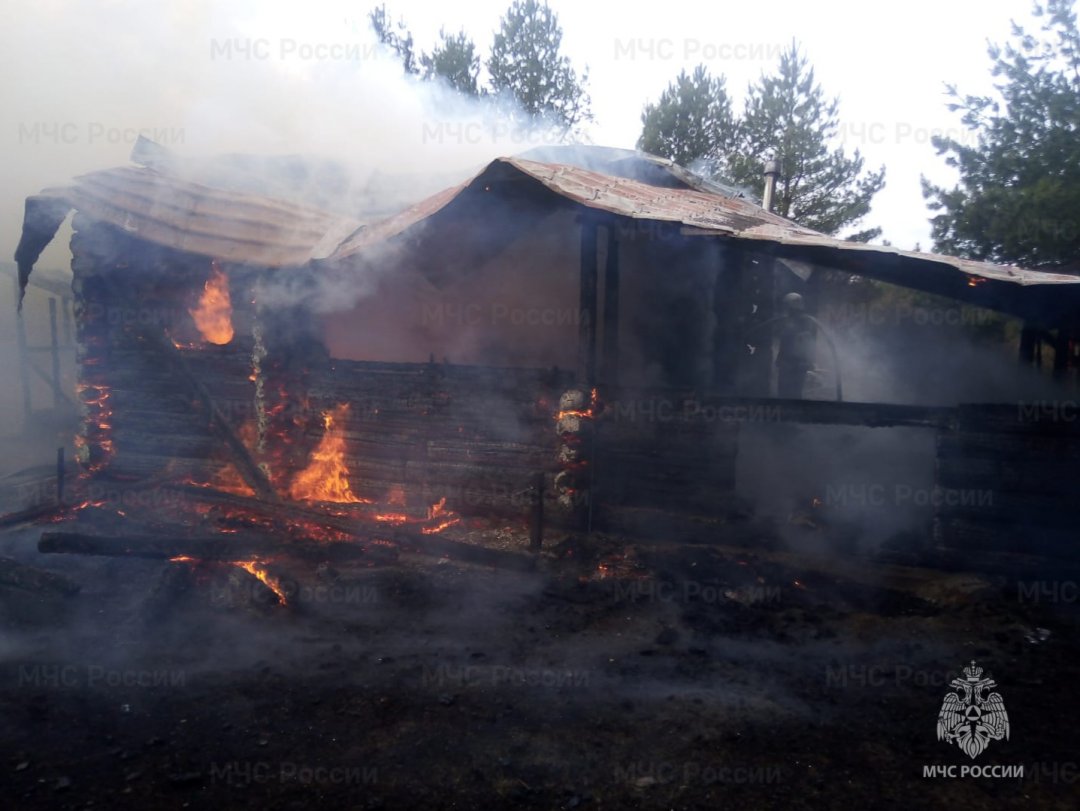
(699, 212)
(229, 225)
(243, 227)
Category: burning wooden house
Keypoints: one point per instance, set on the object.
(544, 341)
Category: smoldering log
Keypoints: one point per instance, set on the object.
(20, 575)
(352, 519)
(226, 548)
(29, 515)
(468, 553)
(360, 525)
(220, 547)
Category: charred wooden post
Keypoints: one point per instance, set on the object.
(24, 358)
(756, 306)
(1028, 340)
(284, 359)
(726, 347)
(536, 527)
(587, 306)
(610, 373)
(93, 442)
(54, 352)
(1061, 353)
(65, 311)
(60, 474)
(574, 427)
(742, 304)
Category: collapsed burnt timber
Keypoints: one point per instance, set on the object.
(604, 421)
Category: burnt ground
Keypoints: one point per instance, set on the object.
(614, 675)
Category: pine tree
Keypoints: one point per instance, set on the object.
(455, 61)
(1018, 197)
(526, 65)
(788, 117)
(691, 122)
(395, 36)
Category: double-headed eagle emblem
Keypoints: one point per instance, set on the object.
(970, 718)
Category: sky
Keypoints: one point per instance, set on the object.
(84, 77)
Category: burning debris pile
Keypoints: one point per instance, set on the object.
(253, 447)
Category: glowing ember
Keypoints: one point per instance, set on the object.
(392, 518)
(396, 497)
(213, 316)
(93, 446)
(435, 510)
(586, 413)
(183, 559)
(445, 517)
(326, 478)
(258, 570)
(229, 480)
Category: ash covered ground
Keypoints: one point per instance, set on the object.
(616, 674)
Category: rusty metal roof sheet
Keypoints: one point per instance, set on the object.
(697, 211)
(229, 225)
(240, 226)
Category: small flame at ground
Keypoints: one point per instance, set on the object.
(252, 567)
(255, 568)
(213, 316)
(439, 511)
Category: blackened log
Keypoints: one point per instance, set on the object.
(232, 548)
(227, 547)
(468, 553)
(13, 573)
(356, 520)
(224, 547)
(29, 515)
(358, 523)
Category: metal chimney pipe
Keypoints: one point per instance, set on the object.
(772, 171)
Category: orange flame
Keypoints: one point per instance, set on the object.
(229, 480)
(326, 477)
(97, 425)
(255, 568)
(439, 511)
(213, 316)
(586, 413)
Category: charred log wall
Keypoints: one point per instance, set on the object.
(156, 399)
(1007, 480)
